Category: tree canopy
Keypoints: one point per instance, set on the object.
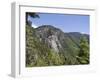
(32, 15)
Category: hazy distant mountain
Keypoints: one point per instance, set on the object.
(47, 45)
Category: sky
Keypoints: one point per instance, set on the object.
(65, 22)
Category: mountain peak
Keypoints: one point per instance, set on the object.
(48, 27)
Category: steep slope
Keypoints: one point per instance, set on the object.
(47, 46)
(76, 36)
(64, 43)
(50, 36)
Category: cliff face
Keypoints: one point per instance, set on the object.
(57, 39)
(52, 42)
(50, 36)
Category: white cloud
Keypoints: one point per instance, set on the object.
(82, 32)
(35, 26)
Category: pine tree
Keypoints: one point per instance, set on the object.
(83, 55)
(32, 15)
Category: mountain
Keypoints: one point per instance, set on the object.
(47, 45)
(76, 36)
(51, 36)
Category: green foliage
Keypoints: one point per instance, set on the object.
(54, 58)
(38, 53)
(83, 56)
(70, 52)
(32, 15)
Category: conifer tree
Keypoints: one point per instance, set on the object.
(83, 55)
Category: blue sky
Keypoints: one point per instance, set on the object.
(65, 22)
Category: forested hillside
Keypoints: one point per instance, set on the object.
(50, 46)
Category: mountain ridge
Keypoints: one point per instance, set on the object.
(58, 33)
(60, 47)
